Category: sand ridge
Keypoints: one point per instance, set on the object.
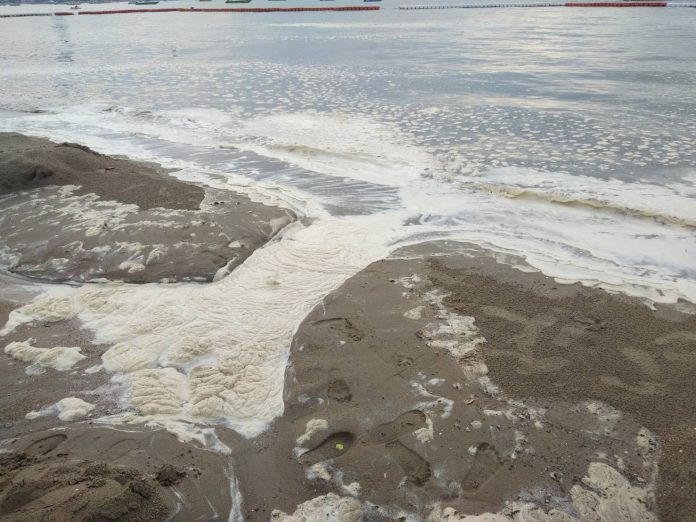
(72, 215)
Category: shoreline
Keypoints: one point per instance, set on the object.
(375, 366)
(436, 383)
(130, 471)
(111, 219)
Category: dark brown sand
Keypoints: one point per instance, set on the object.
(544, 342)
(5, 308)
(581, 372)
(70, 214)
(89, 472)
(411, 428)
(27, 163)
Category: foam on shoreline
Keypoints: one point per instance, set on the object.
(61, 358)
(217, 354)
(610, 235)
(68, 409)
(604, 495)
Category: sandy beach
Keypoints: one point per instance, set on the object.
(436, 384)
(460, 382)
(273, 262)
(107, 218)
(52, 467)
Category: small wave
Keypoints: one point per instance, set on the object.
(326, 154)
(336, 144)
(569, 199)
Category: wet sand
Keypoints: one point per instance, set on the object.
(393, 397)
(70, 214)
(28, 163)
(151, 228)
(89, 472)
(433, 385)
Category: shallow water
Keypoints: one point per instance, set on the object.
(564, 137)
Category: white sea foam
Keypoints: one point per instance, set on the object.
(68, 409)
(621, 236)
(673, 203)
(603, 496)
(61, 358)
(329, 508)
(313, 427)
(217, 354)
(356, 147)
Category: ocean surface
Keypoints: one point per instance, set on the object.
(562, 139)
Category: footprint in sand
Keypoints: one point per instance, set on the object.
(591, 324)
(333, 446)
(45, 445)
(416, 468)
(404, 424)
(403, 360)
(487, 462)
(342, 325)
(338, 389)
(120, 449)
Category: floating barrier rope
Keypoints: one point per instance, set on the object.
(616, 4)
(20, 15)
(476, 6)
(201, 10)
(231, 10)
(628, 3)
(546, 4)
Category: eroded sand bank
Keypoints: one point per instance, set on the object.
(70, 214)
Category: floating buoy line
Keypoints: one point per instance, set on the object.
(201, 10)
(629, 3)
(546, 4)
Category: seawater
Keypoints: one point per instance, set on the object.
(562, 137)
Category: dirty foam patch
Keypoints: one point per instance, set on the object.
(61, 358)
(68, 409)
(329, 508)
(215, 353)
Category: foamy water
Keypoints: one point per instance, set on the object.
(524, 133)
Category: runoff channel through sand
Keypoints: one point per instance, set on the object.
(196, 356)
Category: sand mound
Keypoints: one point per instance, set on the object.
(75, 490)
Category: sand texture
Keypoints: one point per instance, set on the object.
(439, 384)
(70, 214)
(409, 393)
(446, 384)
(95, 473)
